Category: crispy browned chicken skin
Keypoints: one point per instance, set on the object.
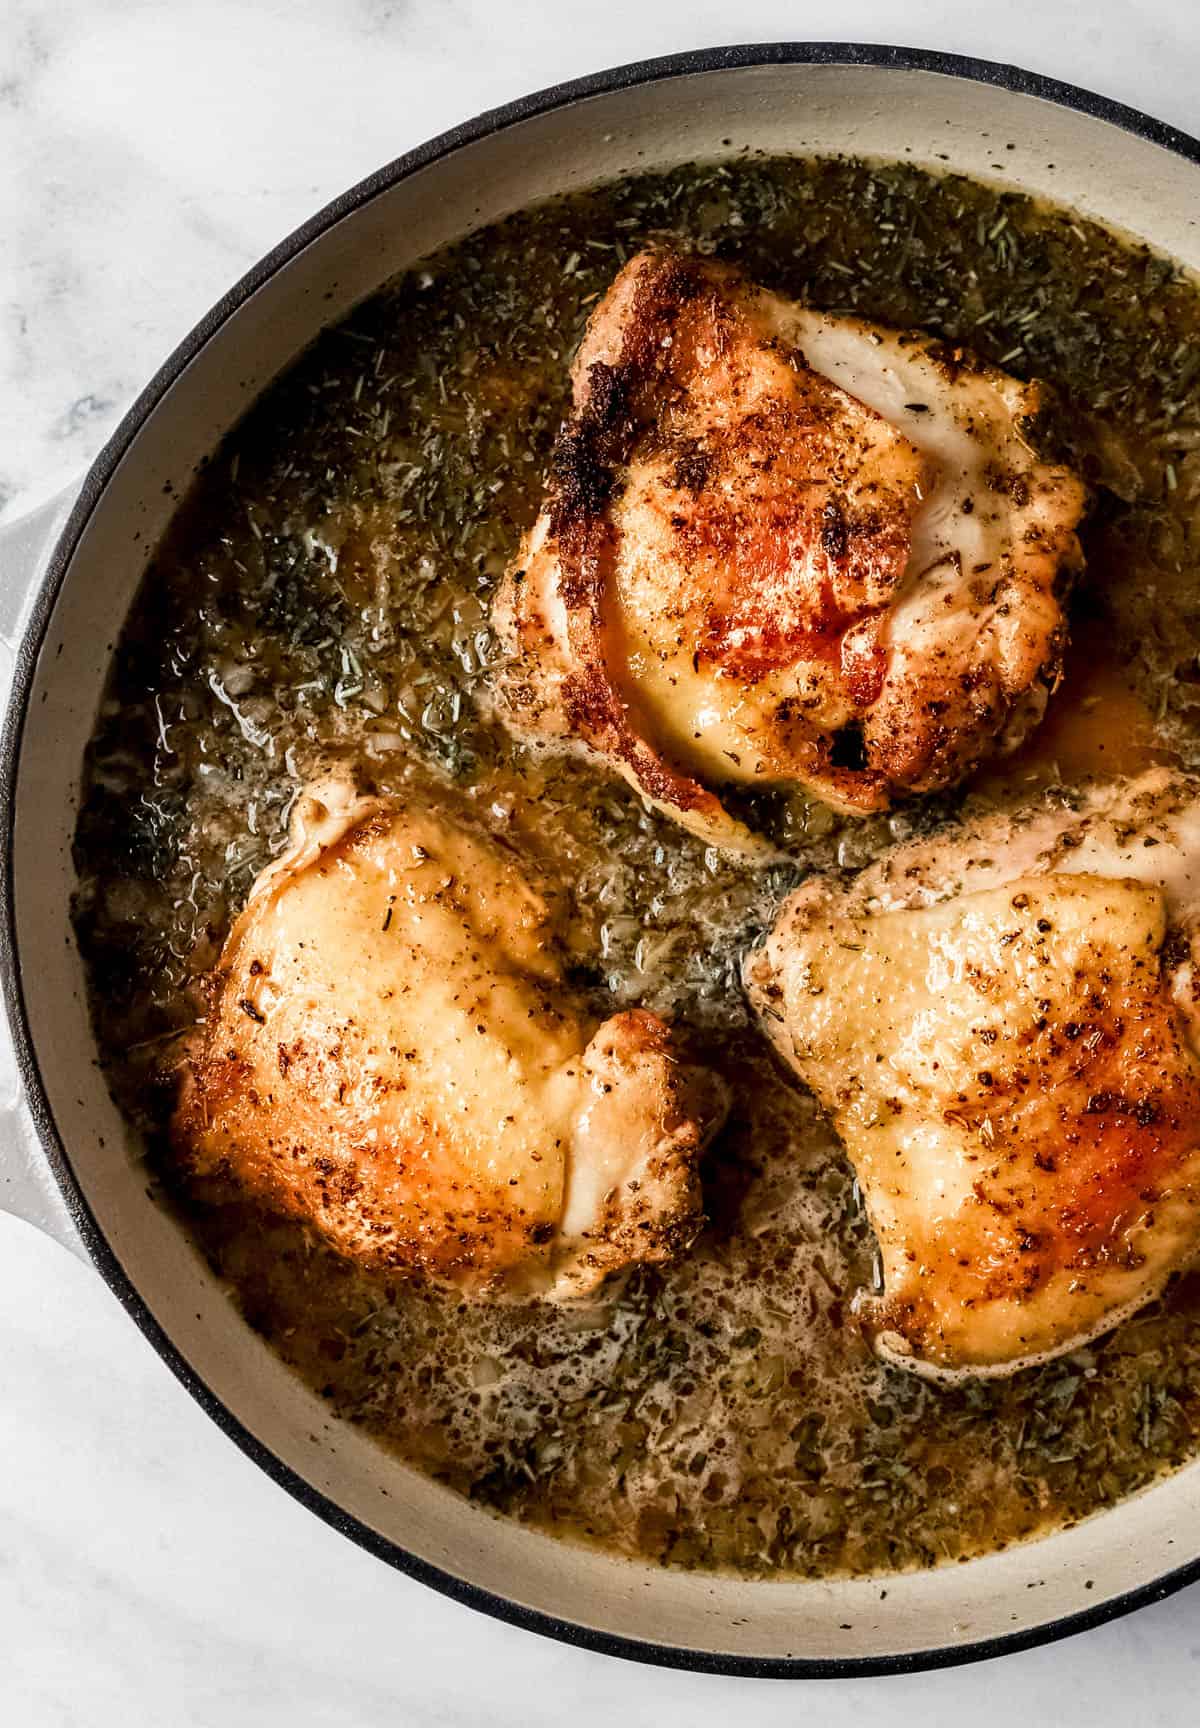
(392, 1052)
(1003, 1024)
(779, 546)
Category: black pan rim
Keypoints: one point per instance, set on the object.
(561, 95)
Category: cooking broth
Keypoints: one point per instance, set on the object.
(323, 597)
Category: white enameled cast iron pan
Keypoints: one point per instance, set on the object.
(67, 577)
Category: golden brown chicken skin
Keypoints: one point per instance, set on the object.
(783, 547)
(392, 1052)
(1002, 1025)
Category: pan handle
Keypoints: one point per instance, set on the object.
(28, 1189)
(25, 546)
(27, 1186)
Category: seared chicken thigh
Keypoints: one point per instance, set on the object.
(392, 1053)
(1003, 1024)
(780, 546)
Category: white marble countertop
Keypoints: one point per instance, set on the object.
(149, 151)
